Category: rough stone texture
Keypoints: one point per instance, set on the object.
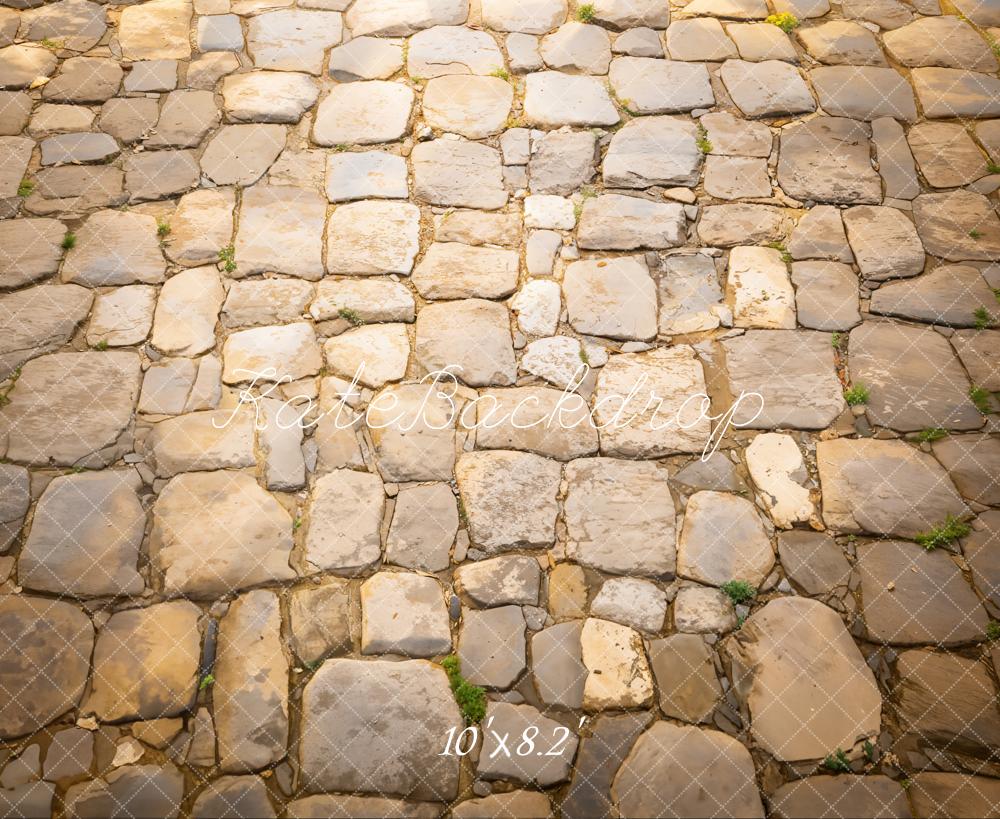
(723, 539)
(491, 646)
(885, 242)
(619, 675)
(363, 113)
(344, 543)
(46, 658)
(660, 86)
(500, 581)
(864, 93)
(655, 778)
(949, 294)
(614, 222)
(957, 226)
(912, 491)
(459, 174)
(372, 237)
(620, 516)
(235, 536)
(70, 408)
(115, 248)
(840, 796)
(615, 298)
(662, 418)
(827, 160)
(552, 99)
(913, 378)
(493, 483)
(85, 537)
(250, 693)
(295, 214)
(768, 88)
(472, 335)
(826, 295)
(541, 769)
(685, 677)
(146, 663)
(359, 717)
(793, 373)
(39, 320)
(968, 722)
(801, 648)
(652, 151)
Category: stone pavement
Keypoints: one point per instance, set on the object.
(214, 212)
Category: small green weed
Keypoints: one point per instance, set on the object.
(583, 355)
(993, 631)
(992, 167)
(975, 234)
(162, 228)
(101, 345)
(227, 256)
(856, 395)
(69, 241)
(206, 681)
(739, 591)
(948, 532)
(982, 317)
(25, 188)
(471, 698)
(352, 316)
(981, 398)
(702, 141)
(839, 341)
(837, 762)
(585, 13)
(785, 21)
(931, 434)
(501, 73)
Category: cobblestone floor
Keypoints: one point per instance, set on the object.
(217, 214)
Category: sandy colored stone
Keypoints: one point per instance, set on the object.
(46, 659)
(886, 487)
(656, 777)
(802, 649)
(236, 535)
(492, 483)
(668, 423)
(250, 692)
(620, 516)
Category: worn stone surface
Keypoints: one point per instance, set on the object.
(895, 362)
(653, 246)
(380, 716)
(853, 472)
(236, 536)
(810, 399)
(251, 709)
(47, 646)
(655, 778)
(85, 537)
(778, 648)
(827, 160)
(620, 516)
(146, 663)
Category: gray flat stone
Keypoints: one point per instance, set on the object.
(808, 394)
(827, 160)
(376, 727)
(766, 89)
(865, 93)
(650, 86)
(913, 377)
(913, 492)
(930, 601)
